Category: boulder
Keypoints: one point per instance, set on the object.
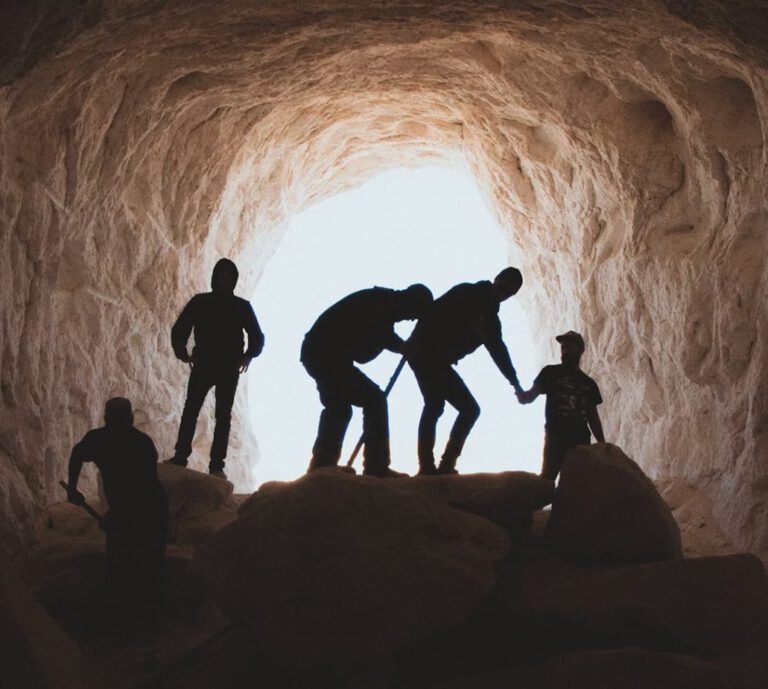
(507, 499)
(704, 606)
(66, 521)
(35, 653)
(198, 504)
(606, 510)
(627, 668)
(339, 570)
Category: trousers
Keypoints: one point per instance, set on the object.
(440, 383)
(201, 379)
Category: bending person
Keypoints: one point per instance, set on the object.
(136, 522)
(218, 319)
(464, 318)
(572, 400)
(355, 330)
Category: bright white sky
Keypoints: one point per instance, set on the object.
(427, 225)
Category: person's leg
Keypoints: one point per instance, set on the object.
(457, 394)
(434, 404)
(334, 419)
(199, 383)
(363, 392)
(555, 450)
(226, 385)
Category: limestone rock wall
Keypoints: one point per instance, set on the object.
(621, 145)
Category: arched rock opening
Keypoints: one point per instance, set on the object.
(623, 149)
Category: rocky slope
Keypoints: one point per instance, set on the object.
(622, 146)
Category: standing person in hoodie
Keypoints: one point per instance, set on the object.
(218, 319)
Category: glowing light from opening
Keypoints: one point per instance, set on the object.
(427, 225)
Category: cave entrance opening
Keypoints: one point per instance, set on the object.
(429, 225)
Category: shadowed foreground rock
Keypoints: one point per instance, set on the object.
(198, 505)
(703, 606)
(507, 499)
(339, 570)
(606, 510)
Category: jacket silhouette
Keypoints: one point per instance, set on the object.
(356, 330)
(458, 322)
(135, 525)
(218, 319)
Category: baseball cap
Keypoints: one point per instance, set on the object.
(573, 337)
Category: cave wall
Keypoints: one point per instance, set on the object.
(622, 148)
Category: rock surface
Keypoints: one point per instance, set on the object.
(606, 510)
(338, 570)
(701, 606)
(198, 504)
(622, 147)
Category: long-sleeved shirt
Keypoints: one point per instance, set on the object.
(356, 328)
(218, 322)
(461, 320)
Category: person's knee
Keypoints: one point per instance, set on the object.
(376, 402)
(433, 408)
(470, 411)
(224, 416)
(341, 413)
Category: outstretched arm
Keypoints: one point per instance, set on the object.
(595, 425)
(75, 466)
(528, 396)
(498, 351)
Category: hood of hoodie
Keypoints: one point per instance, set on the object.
(226, 265)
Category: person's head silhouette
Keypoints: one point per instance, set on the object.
(507, 283)
(118, 413)
(414, 302)
(224, 276)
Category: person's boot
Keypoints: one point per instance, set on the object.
(384, 473)
(176, 461)
(427, 469)
(216, 469)
(447, 466)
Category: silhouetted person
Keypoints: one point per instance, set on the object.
(218, 319)
(464, 318)
(357, 329)
(572, 399)
(135, 525)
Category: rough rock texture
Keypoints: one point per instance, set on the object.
(198, 504)
(507, 499)
(701, 606)
(339, 570)
(606, 510)
(35, 653)
(622, 146)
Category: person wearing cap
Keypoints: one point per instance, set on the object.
(135, 525)
(572, 401)
(357, 329)
(218, 319)
(461, 320)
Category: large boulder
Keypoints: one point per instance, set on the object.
(35, 653)
(704, 606)
(606, 510)
(339, 570)
(198, 504)
(627, 668)
(507, 499)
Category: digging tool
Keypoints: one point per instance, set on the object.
(86, 507)
(388, 389)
